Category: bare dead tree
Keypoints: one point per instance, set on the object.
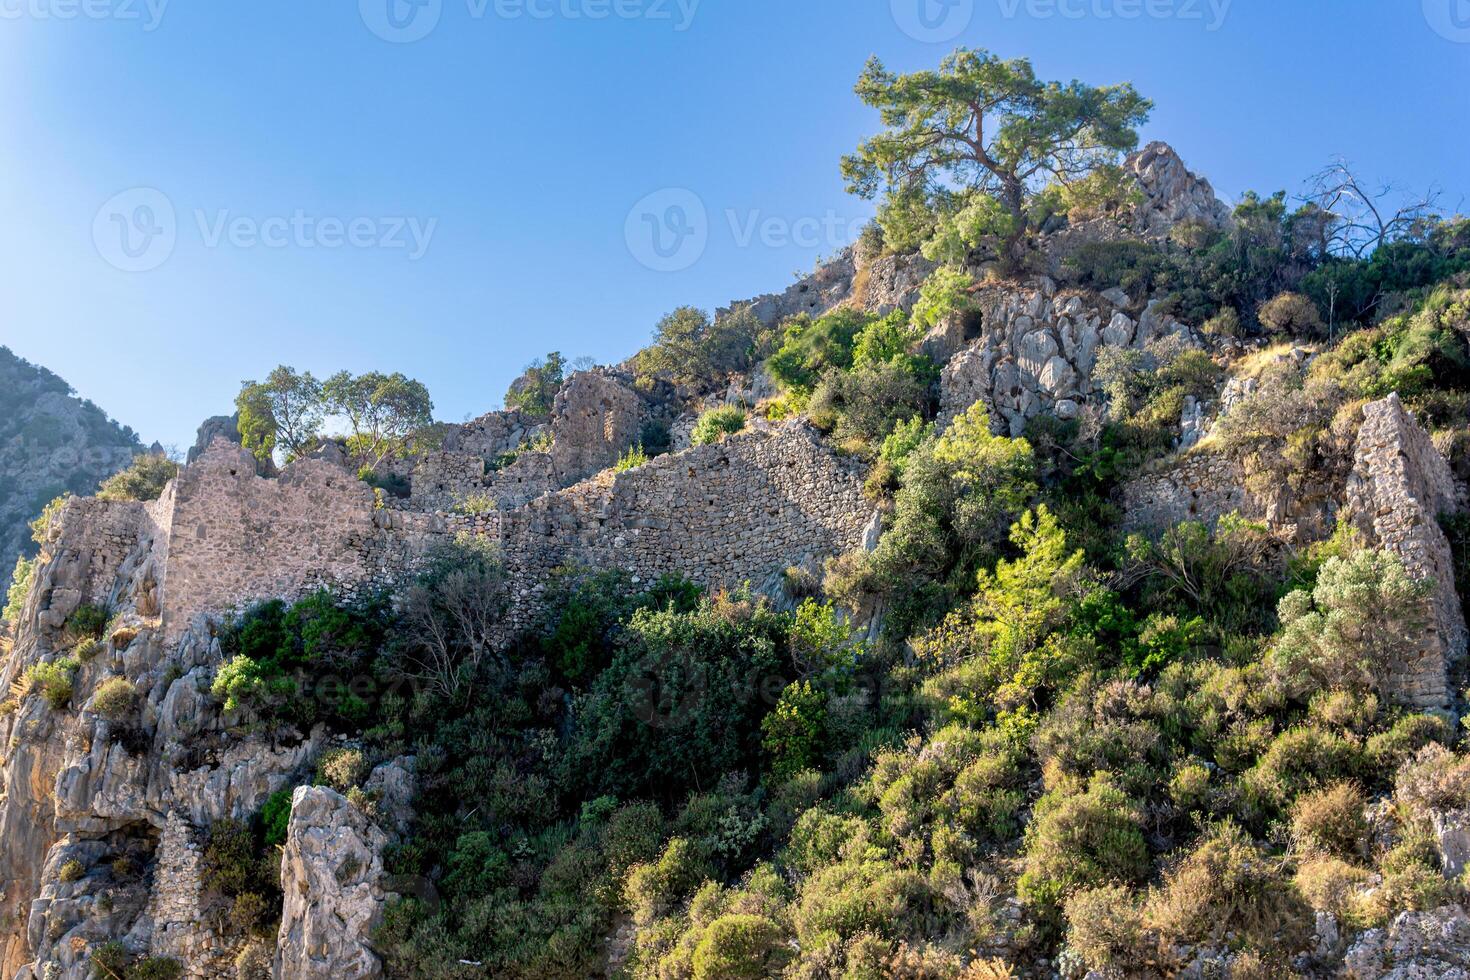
(1362, 218)
(453, 614)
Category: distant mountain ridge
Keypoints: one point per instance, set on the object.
(51, 442)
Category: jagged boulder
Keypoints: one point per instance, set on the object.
(1173, 194)
(1029, 349)
(331, 877)
(226, 427)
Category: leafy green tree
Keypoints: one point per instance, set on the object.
(1364, 615)
(534, 392)
(993, 130)
(812, 347)
(959, 494)
(691, 349)
(284, 412)
(384, 410)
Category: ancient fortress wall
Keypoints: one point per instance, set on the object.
(1398, 487)
(223, 537)
(742, 510)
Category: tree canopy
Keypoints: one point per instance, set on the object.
(981, 135)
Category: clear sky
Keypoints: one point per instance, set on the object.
(452, 187)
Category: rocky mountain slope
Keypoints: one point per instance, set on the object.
(224, 757)
(51, 442)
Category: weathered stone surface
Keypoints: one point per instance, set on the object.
(50, 441)
(1173, 193)
(1400, 485)
(1432, 945)
(224, 427)
(331, 877)
(1029, 350)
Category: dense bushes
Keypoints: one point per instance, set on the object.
(304, 663)
(713, 426)
(243, 867)
(692, 349)
(143, 480)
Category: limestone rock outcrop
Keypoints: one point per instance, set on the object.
(1028, 350)
(1432, 945)
(1173, 194)
(1399, 487)
(331, 877)
(51, 442)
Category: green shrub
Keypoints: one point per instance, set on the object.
(1226, 323)
(88, 620)
(342, 769)
(155, 968)
(20, 589)
(1299, 760)
(1082, 841)
(1291, 314)
(110, 960)
(54, 681)
(946, 291)
(1331, 821)
(632, 459)
(810, 349)
(691, 349)
(1359, 620)
(72, 870)
(793, 730)
(862, 407)
(87, 649)
(1227, 886)
(116, 699)
(713, 426)
(143, 480)
(740, 947)
(476, 503)
(534, 392)
(275, 816)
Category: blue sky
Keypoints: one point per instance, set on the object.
(454, 205)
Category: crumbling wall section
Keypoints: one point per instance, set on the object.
(1400, 485)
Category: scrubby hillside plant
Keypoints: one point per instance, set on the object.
(143, 480)
(713, 426)
(534, 392)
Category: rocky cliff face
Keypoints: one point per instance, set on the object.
(107, 802)
(51, 442)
